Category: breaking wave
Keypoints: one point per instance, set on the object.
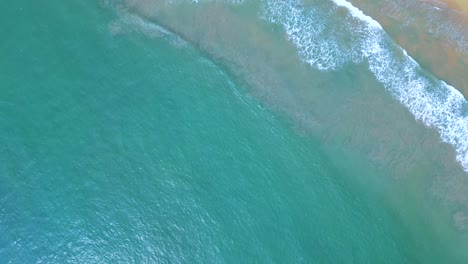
(362, 39)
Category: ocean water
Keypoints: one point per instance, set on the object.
(223, 132)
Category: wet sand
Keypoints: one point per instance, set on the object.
(429, 40)
(459, 5)
(335, 113)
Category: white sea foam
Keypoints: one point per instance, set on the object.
(431, 101)
(354, 11)
(317, 44)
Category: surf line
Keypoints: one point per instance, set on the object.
(431, 101)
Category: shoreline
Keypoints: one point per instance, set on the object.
(429, 43)
(456, 5)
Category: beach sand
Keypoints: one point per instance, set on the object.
(428, 42)
(460, 5)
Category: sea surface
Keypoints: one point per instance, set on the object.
(147, 131)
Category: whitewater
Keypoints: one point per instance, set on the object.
(430, 100)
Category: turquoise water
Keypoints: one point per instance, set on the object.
(123, 142)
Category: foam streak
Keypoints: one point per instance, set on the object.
(431, 101)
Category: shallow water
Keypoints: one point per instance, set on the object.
(183, 132)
